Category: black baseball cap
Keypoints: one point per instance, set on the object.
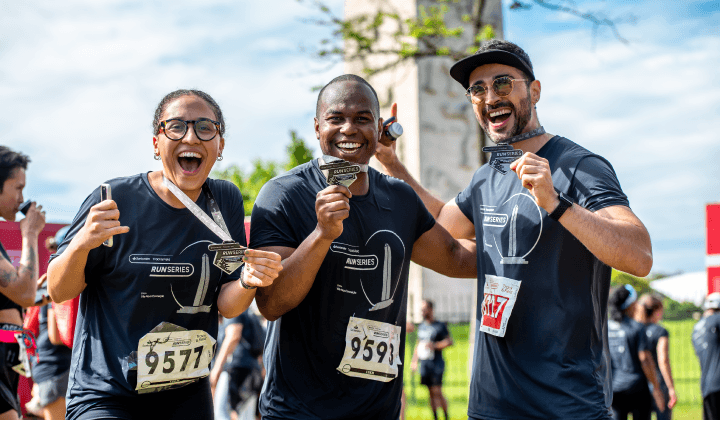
(461, 70)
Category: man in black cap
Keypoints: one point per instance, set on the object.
(549, 227)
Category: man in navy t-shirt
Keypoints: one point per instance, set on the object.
(433, 336)
(549, 226)
(706, 341)
(336, 340)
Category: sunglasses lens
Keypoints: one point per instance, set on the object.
(503, 86)
(175, 129)
(205, 129)
(476, 90)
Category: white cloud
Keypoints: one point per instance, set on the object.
(651, 109)
(81, 82)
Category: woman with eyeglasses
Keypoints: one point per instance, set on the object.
(153, 267)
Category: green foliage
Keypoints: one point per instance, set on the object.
(298, 152)
(673, 310)
(679, 311)
(425, 35)
(262, 171)
(641, 285)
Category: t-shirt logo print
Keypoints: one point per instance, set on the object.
(516, 217)
(379, 268)
(197, 306)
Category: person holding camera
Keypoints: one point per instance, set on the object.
(18, 285)
(149, 299)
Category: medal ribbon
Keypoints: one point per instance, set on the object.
(537, 132)
(327, 159)
(218, 225)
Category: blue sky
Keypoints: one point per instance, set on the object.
(80, 82)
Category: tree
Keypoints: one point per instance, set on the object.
(263, 171)
(430, 33)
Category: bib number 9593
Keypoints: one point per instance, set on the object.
(371, 350)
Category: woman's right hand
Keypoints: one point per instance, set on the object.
(102, 223)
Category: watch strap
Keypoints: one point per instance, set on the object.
(565, 204)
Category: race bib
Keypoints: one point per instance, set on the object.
(24, 368)
(171, 359)
(425, 351)
(371, 350)
(498, 303)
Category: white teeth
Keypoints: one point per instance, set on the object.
(190, 155)
(497, 113)
(348, 145)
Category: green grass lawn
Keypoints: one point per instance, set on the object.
(686, 372)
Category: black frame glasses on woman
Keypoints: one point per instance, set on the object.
(176, 129)
(502, 86)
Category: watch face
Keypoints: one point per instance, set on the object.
(564, 198)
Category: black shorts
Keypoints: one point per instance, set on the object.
(711, 406)
(638, 403)
(9, 378)
(191, 402)
(431, 373)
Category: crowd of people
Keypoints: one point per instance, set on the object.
(179, 317)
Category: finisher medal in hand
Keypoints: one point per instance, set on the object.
(504, 154)
(340, 172)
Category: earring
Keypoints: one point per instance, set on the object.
(157, 156)
(220, 158)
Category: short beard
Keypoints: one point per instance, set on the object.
(523, 114)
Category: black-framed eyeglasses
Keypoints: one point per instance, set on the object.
(205, 129)
(502, 86)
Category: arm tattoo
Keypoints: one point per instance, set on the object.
(7, 277)
(29, 263)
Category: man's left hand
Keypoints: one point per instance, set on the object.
(534, 172)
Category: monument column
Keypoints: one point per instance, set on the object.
(442, 142)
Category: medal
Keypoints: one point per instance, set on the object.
(340, 172)
(504, 154)
(228, 256)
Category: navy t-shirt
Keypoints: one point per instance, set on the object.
(551, 362)
(433, 332)
(364, 275)
(654, 332)
(54, 360)
(251, 342)
(627, 338)
(706, 341)
(6, 302)
(160, 271)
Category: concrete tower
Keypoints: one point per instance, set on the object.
(441, 146)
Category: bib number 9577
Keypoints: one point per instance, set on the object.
(152, 359)
(171, 359)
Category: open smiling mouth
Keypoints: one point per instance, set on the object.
(190, 161)
(349, 147)
(499, 117)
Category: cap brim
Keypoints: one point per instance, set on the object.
(461, 70)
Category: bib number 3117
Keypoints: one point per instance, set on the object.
(171, 359)
(371, 350)
(498, 302)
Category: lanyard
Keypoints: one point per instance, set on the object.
(218, 225)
